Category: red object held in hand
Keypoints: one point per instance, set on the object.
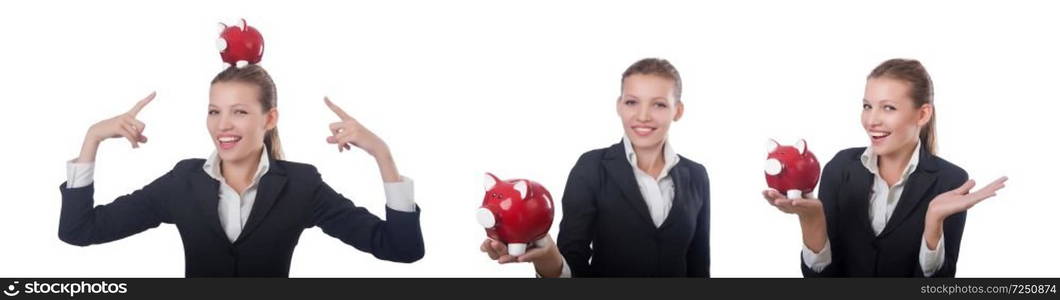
(516, 212)
(792, 170)
(240, 45)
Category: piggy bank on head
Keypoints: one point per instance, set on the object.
(240, 45)
(792, 170)
(515, 212)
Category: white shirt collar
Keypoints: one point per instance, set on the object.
(670, 157)
(212, 166)
(870, 159)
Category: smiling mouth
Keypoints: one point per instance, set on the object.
(643, 131)
(878, 135)
(228, 142)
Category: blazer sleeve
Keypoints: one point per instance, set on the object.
(953, 230)
(398, 238)
(577, 230)
(831, 178)
(81, 224)
(699, 253)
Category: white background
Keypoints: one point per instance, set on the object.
(458, 88)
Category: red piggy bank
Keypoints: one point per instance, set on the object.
(792, 170)
(240, 45)
(515, 212)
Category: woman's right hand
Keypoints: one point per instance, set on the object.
(808, 207)
(811, 216)
(124, 125)
(544, 254)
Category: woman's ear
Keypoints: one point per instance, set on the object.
(680, 106)
(924, 114)
(271, 118)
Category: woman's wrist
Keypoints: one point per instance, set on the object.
(88, 149)
(550, 266)
(387, 167)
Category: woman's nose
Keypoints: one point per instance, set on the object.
(875, 117)
(643, 114)
(225, 123)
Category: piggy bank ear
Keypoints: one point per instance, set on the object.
(221, 27)
(771, 145)
(801, 145)
(243, 24)
(491, 181)
(521, 187)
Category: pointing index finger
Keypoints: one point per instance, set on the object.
(338, 111)
(143, 102)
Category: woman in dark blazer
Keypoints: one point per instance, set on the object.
(894, 208)
(241, 212)
(635, 208)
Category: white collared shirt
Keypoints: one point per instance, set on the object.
(882, 202)
(658, 192)
(234, 209)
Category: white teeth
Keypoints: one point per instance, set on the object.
(228, 139)
(642, 129)
(879, 134)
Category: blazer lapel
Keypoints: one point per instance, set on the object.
(205, 191)
(920, 181)
(621, 172)
(679, 175)
(269, 189)
(861, 188)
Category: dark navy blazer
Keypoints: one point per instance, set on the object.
(291, 197)
(608, 231)
(856, 249)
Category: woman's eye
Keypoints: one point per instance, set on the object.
(241, 112)
(631, 102)
(889, 108)
(660, 105)
(866, 107)
(212, 112)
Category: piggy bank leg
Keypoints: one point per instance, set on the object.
(516, 249)
(794, 194)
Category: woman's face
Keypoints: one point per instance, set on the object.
(647, 107)
(237, 122)
(890, 117)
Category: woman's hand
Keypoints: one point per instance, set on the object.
(348, 132)
(124, 125)
(811, 216)
(805, 207)
(952, 202)
(543, 253)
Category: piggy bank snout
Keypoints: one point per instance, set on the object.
(773, 166)
(486, 218)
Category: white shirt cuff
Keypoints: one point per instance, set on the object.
(817, 261)
(399, 195)
(931, 261)
(79, 174)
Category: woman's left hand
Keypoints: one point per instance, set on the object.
(961, 199)
(952, 202)
(348, 132)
